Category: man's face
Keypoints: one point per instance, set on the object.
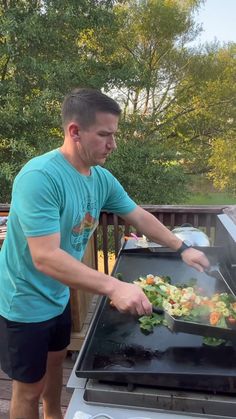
(98, 141)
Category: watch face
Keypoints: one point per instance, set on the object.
(188, 242)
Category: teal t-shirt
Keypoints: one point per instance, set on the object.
(50, 196)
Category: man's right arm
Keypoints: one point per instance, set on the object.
(50, 259)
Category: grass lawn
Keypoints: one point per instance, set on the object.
(204, 193)
(212, 198)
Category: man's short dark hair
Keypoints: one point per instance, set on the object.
(82, 104)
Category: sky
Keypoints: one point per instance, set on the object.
(218, 19)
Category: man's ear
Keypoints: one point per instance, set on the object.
(74, 132)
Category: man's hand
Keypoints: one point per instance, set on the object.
(130, 298)
(196, 259)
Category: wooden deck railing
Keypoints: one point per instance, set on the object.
(108, 236)
(112, 228)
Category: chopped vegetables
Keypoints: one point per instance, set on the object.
(214, 318)
(213, 341)
(150, 280)
(188, 302)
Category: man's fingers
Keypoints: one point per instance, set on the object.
(130, 298)
(198, 267)
(196, 259)
(146, 307)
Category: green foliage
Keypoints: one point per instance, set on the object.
(178, 103)
(41, 59)
(149, 172)
(223, 162)
(188, 95)
(17, 151)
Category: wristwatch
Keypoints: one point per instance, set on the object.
(183, 247)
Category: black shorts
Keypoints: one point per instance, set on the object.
(24, 346)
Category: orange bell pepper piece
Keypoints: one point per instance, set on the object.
(150, 281)
(214, 318)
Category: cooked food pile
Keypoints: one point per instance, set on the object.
(188, 302)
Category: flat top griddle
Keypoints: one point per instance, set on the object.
(116, 350)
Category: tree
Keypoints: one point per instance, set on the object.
(223, 163)
(185, 98)
(177, 102)
(41, 59)
(149, 173)
(208, 114)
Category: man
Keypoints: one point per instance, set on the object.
(56, 202)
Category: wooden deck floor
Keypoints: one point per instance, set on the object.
(5, 389)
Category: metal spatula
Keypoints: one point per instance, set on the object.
(158, 310)
(215, 272)
(171, 321)
(179, 325)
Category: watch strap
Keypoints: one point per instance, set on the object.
(183, 247)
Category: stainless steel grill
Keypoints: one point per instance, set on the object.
(159, 399)
(162, 372)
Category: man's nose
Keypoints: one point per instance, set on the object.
(112, 143)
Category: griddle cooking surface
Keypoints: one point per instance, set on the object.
(117, 350)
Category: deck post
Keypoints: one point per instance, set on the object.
(82, 303)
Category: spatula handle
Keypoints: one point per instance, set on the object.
(157, 310)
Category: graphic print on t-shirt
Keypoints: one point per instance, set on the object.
(85, 225)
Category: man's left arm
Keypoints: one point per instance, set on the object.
(155, 231)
